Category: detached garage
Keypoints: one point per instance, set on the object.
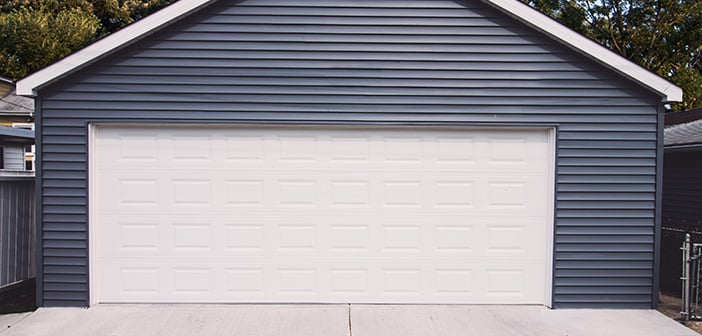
(325, 151)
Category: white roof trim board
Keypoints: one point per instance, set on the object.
(514, 8)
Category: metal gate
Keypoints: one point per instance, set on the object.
(691, 279)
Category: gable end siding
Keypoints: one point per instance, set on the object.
(376, 62)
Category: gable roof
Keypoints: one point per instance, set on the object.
(684, 134)
(12, 104)
(683, 129)
(668, 91)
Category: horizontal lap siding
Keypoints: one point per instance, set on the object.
(17, 228)
(376, 62)
(682, 190)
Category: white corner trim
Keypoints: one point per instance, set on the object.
(28, 85)
(587, 47)
(514, 8)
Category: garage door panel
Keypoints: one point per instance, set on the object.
(348, 234)
(466, 193)
(358, 281)
(227, 214)
(248, 148)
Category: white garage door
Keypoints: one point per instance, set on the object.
(333, 215)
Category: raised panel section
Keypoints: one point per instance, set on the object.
(297, 237)
(297, 149)
(191, 148)
(455, 239)
(196, 193)
(506, 283)
(402, 238)
(507, 195)
(297, 193)
(140, 280)
(350, 194)
(402, 282)
(240, 148)
(454, 282)
(456, 150)
(350, 238)
(402, 194)
(139, 236)
(138, 192)
(403, 150)
(245, 193)
(351, 281)
(245, 281)
(192, 281)
(506, 151)
(348, 150)
(246, 237)
(454, 194)
(192, 236)
(128, 153)
(297, 282)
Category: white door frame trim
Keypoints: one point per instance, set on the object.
(92, 217)
(551, 229)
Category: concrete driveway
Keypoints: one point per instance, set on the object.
(332, 320)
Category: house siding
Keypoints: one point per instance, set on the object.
(17, 245)
(681, 211)
(375, 62)
(682, 191)
(14, 157)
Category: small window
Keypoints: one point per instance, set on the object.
(2, 158)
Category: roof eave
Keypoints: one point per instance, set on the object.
(80, 59)
(17, 133)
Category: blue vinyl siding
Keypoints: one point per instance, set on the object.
(375, 62)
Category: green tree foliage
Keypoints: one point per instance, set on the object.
(663, 36)
(36, 33)
(31, 39)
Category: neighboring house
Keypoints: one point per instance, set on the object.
(346, 151)
(14, 110)
(17, 111)
(682, 174)
(6, 86)
(682, 192)
(13, 144)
